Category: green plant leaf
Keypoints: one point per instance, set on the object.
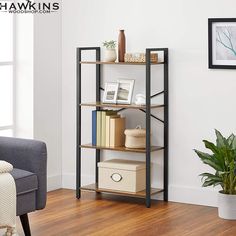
(207, 159)
(210, 183)
(220, 140)
(213, 164)
(211, 146)
(230, 140)
(234, 143)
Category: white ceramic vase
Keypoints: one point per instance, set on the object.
(227, 206)
(110, 55)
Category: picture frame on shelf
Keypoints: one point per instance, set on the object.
(125, 91)
(110, 92)
(222, 43)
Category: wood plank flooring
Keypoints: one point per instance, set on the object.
(103, 215)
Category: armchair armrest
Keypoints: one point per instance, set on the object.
(30, 155)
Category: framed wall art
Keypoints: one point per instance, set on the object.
(125, 91)
(222, 43)
(110, 93)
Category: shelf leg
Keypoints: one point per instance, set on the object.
(166, 125)
(98, 99)
(78, 125)
(148, 128)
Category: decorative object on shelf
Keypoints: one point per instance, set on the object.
(135, 138)
(107, 129)
(110, 52)
(117, 128)
(121, 46)
(110, 92)
(122, 175)
(223, 160)
(222, 43)
(100, 128)
(109, 115)
(125, 91)
(140, 99)
(140, 57)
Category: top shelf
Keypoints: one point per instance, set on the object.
(118, 63)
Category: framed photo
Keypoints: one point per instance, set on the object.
(125, 91)
(110, 92)
(222, 43)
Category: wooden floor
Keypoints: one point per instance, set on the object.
(108, 215)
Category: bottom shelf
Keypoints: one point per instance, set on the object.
(141, 194)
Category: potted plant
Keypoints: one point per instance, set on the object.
(110, 52)
(223, 160)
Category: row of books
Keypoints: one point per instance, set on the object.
(107, 129)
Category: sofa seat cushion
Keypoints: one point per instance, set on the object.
(25, 181)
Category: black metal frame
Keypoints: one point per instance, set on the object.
(211, 21)
(78, 108)
(148, 119)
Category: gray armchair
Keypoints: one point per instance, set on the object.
(29, 159)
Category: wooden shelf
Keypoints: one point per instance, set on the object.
(119, 63)
(121, 149)
(141, 194)
(130, 106)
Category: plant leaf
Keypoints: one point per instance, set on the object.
(220, 140)
(211, 146)
(209, 160)
(230, 140)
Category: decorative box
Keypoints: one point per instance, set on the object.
(135, 138)
(122, 175)
(140, 57)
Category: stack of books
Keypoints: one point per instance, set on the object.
(107, 129)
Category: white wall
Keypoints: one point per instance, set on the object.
(47, 90)
(200, 99)
(24, 75)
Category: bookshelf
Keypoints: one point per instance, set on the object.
(149, 191)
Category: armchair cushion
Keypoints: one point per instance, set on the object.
(31, 156)
(25, 181)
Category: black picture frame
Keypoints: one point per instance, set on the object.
(211, 21)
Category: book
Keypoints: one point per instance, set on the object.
(108, 117)
(117, 129)
(94, 127)
(99, 126)
(103, 128)
(103, 125)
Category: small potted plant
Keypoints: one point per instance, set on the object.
(223, 160)
(110, 52)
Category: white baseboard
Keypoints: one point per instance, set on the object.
(193, 195)
(69, 180)
(181, 194)
(54, 182)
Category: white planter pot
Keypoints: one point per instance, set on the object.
(110, 55)
(227, 206)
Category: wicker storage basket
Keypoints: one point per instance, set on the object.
(135, 138)
(140, 57)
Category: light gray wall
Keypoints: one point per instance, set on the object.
(47, 90)
(200, 99)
